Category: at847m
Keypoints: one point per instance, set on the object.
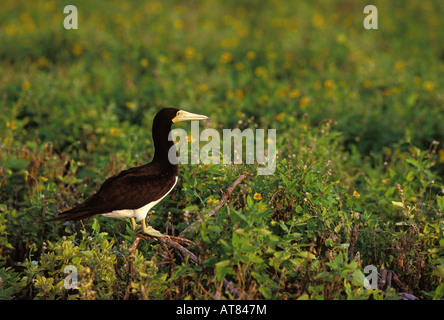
(231, 309)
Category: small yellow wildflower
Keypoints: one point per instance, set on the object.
(178, 24)
(356, 194)
(280, 116)
(202, 87)
(42, 62)
(399, 65)
(341, 38)
(257, 197)
(317, 20)
(428, 85)
(26, 85)
(294, 94)
(251, 55)
(226, 57)
(305, 101)
(130, 105)
(329, 84)
(77, 50)
(212, 202)
(271, 55)
(113, 131)
(189, 52)
(11, 125)
(260, 71)
(239, 93)
(144, 62)
(162, 59)
(441, 155)
(10, 29)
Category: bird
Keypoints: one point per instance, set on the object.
(132, 193)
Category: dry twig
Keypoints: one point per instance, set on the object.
(225, 196)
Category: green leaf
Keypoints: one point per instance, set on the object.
(440, 201)
(398, 204)
(222, 268)
(96, 226)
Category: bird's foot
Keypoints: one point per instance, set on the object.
(148, 230)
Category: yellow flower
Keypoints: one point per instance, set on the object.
(212, 202)
(329, 84)
(257, 197)
(202, 87)
(130, 105)
(356, 195)
(251, 55)
(294, 94)
(77, 50)
(10, 29)
(341, 38)
(11, 125)
(317, 20)
(428, 85)
(399, 65)
(260, 71)
(441, 155)
(280, 116)
(189, 52)
(42, 62)
(113, 131)
(226, 57)
(239, 93)
(144, 62)
(305, 101)
(162, 59)
(26, 85)
(178, 24)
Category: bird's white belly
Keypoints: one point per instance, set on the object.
(138, 214)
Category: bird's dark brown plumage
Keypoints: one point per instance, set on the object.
(136, 187)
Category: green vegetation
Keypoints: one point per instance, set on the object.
(359, 126)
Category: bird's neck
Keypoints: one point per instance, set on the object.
(164, 149)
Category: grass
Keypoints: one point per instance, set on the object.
(358, 119)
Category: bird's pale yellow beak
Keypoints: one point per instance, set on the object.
(187, 116)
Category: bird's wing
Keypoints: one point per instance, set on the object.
(124, 192)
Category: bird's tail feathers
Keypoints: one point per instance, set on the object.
(73, 215)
